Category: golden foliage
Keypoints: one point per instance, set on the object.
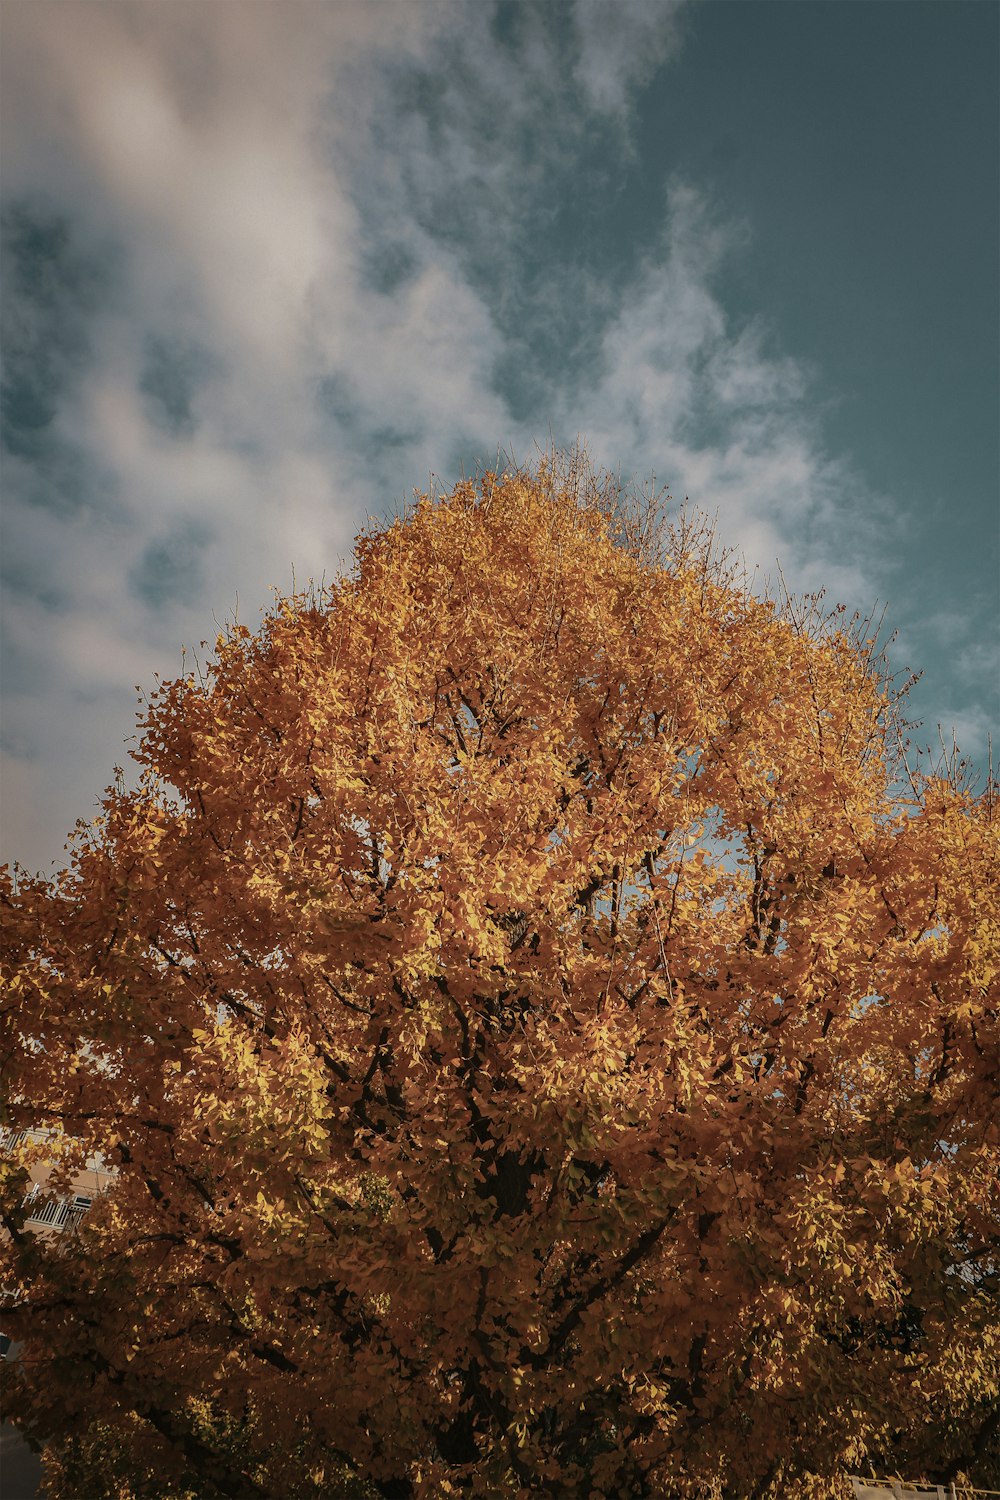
(541, 1047)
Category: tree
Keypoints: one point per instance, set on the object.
(546, 1044)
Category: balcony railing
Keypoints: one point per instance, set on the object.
(895, 1489)
(55, 1213)
(10, 1139)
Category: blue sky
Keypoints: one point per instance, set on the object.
(268, 267)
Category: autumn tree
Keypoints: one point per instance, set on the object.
(545, 1040)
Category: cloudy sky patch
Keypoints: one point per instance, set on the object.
(268, 267)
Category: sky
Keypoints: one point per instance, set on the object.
(269, 267)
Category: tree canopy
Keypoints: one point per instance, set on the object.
(545, 1040)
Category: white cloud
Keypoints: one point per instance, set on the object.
(196, 141)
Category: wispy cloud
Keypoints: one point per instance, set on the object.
(623, 43)
(726, 420)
